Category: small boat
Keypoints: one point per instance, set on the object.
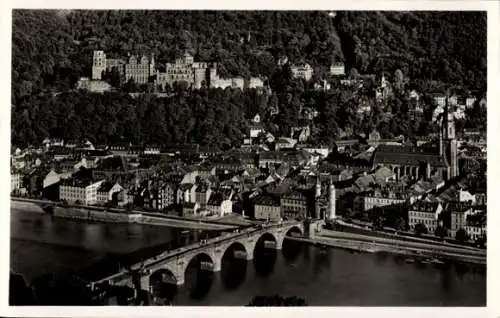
(410, 260)
(436, 261)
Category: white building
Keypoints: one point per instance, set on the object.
(440, 100)
(475, 232)
(53, 177)
(426, 213)
(106, 192)
(15, 182)
(84, 191)
(469, 102)
(380, 199)
(337, 69)
(220, 205)
(304, 71)
(322, 150)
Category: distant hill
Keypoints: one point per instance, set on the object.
(54, 47)
(51, 50)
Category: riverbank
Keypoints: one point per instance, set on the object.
(399, 248)
(95, 214)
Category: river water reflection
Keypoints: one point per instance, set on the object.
(328, 277)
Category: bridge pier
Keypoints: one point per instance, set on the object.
(279, 243)
(217, 267)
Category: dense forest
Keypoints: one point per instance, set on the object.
(52, 49)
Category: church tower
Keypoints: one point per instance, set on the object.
(448, 140)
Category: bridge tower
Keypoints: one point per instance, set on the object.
(318, 187)
(331, 200)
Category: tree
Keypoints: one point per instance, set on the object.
(481, 241)
(130, 86)
(461, 236)
(420, 229)
(440, 232)
(400, 224)
(61, 290)
(19, 293)
(353, 74)
(398, 79)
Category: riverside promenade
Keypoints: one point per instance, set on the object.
(371, 244)
(115, 215)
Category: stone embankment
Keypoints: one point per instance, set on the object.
(95, 214)
(396, 247)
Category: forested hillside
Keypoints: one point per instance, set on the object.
(52, 49)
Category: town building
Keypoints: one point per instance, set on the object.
(15, 181)
(426, 213)
(422, 163)
(304, 71)
(476, 223)
(383, 197)
(294, 205)
(337, 69)
(110, 193)
(267, 207)
(186, 193)
(285, 143)
(220, 204)
(459, 212)
(469, 102)
(324, 151)
(202, 194)
(190, 209)
(76, 190)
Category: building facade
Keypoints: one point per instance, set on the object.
(382, 198)
(426, 213)
(459, 212)
(267, 208)
(294, 205)
(337, 69)
(304, 71)
(15, 181)
(423, 163)
(85, 192)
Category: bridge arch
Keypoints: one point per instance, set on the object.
(202, 258)
(267, 240)
(163, 283)
(239, 250)
(294, 231)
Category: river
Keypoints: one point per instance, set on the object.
(332, 277)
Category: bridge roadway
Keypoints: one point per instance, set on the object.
(175, 262)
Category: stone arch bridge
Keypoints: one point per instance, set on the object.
(209, 254)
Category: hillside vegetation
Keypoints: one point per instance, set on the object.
(52, 49)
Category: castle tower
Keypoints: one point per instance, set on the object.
(213, 75)
(449, 140)
(98, 65)
(331, 201)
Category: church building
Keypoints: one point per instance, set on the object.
(422, 163)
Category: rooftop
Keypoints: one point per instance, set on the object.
(390, 154)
